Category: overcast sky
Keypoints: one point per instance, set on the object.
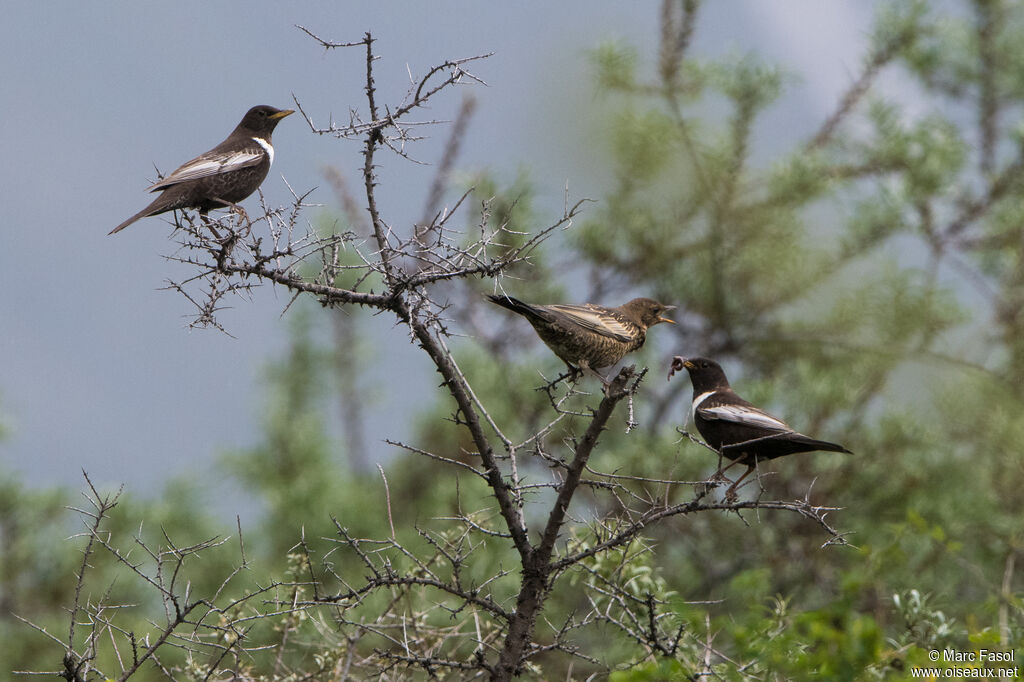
(99, 370)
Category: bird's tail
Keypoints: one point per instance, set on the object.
(824, 445)
(515, 305)
(141, 214)
(168, 200)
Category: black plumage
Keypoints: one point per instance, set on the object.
(223, 176)
(735, 427)
(590, 336)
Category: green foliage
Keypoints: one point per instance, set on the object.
(39, 563)
(33, 577)
(293, 473)
(866, 285)
(747, 82)
(809, 274)
(615, 66)
(923, 626)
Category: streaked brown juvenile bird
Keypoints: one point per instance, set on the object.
(734, 427)
(590, 336)
(223, 176)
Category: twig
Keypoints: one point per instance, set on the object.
(387, 500)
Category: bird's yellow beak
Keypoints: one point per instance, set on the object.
(281, 114)
(688, 365)
(665, 319)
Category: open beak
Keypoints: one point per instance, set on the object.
(282, 114)
(665, 319)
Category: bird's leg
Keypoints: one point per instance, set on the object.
(720, 474)
(574, 375)
(718, 477)
(730, 493)
(236, 209)
(605, 381)
(242, 215)
(227, 244)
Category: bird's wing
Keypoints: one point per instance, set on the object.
(596, 319)
(744, 414)
(211, 163)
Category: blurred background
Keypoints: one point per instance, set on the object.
(830, 192)
(107, 376)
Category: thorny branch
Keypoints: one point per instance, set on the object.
(190, 623)
(419, 604)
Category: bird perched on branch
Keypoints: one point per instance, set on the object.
(734, 427)
(223, 176)
(590, 336)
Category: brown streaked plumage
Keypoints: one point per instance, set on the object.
(223, 176)
(590, 336)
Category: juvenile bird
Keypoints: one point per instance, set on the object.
(590, 336)
(734, 427)
(223, 176)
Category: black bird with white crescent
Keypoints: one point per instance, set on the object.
(590, 336)
(223, 176)
(736, 428)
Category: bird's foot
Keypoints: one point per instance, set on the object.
(704, 488)
(243, 217)
(574, 374)
(551, 385)
(605, 381)
(617, 384)
(719, 477)
(730, 493)
(557, 397)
